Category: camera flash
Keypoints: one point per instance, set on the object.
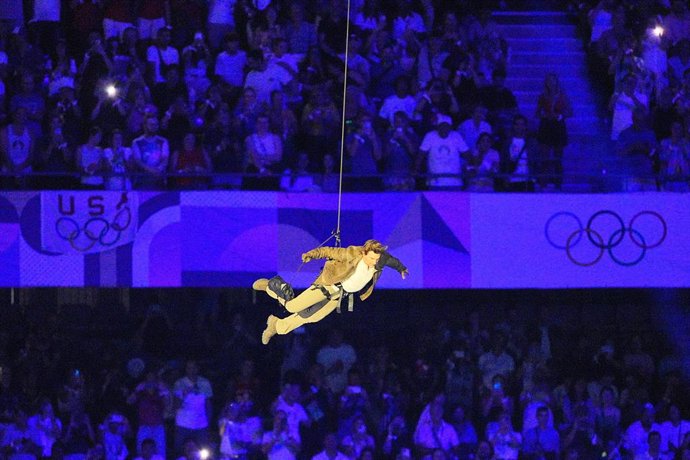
(658, 31)
(204, 454)
(111, 90)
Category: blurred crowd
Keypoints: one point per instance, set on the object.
(145, 94)
(165, 384)
(640, 55)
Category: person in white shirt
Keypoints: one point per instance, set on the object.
(496, 361)
(475, 126)
(402, 100)
(435, 433)
(347, 271)
(445, 151)
(221, 20)
(230, 62)
(636, 436)
(193, 402)
(160, 55)
(673, 431)
(150, 153)
(263, 78)
(280, 443)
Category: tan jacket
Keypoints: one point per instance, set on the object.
(342, 262)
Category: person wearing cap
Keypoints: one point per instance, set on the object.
(444, 151)
(346, 272)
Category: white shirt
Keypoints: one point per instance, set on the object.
(394, 104)
(328, 356)
(170, 56)
(471, 132)
(622, 112)
(266, 81)
(673, 434)
(443, 156)
(192, 411)
(429, 436)
(231, 67)
(517, 151)
(295, 415)
(635, 437)
(221, 12)
(323, 456)
(490, 365)
(361, 276)
(46, 10)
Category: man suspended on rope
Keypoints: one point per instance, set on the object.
(347, 271)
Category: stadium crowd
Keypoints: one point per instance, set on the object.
(248, 94)
(640, 56)
(195, 383)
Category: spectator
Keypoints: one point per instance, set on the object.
(435, 433)
(80, 436)
(193, 402)
(47, 427)
(637, 146)
(300, 34)
(151, 398)
(262, 78)
(483, 164)
(32, 101)
(400, 147)
(517, 158)
(236, 437)
(221, 22)
(118, 163)
(402, 101)
(636, 437)
(299, 180)
(506, 442)
(553, 108)
(444, 151)
(357, 440)
(330, 449)
(264, 156)
(90, 160)
(496, 361)
(485, 451)
(500, 101)
(159, 55)
(17, 144)
(192, 159)
(398, 438)
(279, 443)
(364, 151)
(673, 432)
(543, 441)
(337, 357)
(21, 439)
(623, 104)
(230, 64)
(149, 451)
(472, 128)
(288, 404)
(467, 435)
(678, 64)
(224, 151)
(152, 18)
(150, 154)
(654, 449)
(677, 22)
(114, 430)
(321, 125)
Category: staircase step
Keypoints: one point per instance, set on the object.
(513, 31)
(540, 70)
(539, 43)
(545, 58)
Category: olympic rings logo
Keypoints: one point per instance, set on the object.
(605, 243)
(96, 230)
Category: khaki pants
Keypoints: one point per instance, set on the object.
(310, 306)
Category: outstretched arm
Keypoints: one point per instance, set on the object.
(325, 253)
(387, 260)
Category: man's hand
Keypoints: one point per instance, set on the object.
(305, 258)
(404, 273)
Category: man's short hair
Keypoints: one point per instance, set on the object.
(374, 246)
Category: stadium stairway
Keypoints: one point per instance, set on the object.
(545, 41)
